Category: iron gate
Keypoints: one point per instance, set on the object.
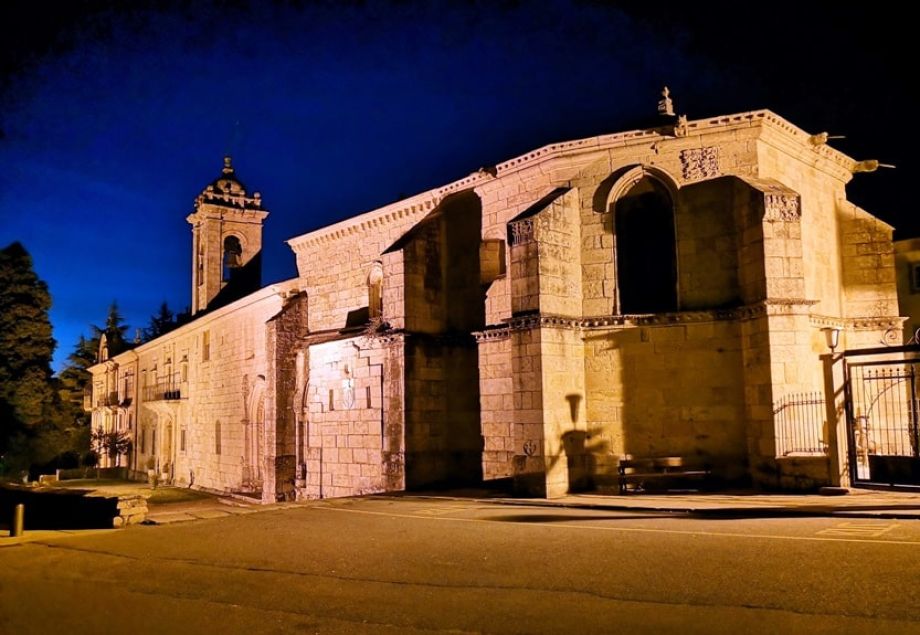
(883, 415)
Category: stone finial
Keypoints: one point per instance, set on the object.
(228, 165)
(666, 104)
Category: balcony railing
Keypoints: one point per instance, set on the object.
(107, 399)
(163, 391)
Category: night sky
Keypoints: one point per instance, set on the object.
(112, 120)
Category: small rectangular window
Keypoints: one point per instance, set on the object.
(182, 440)
(217, 438)
(153, 441)
(331, 400)
(205, 346)
(143, 440)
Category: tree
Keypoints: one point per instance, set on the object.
(27, 397)
(161, 323)
(115, 331)
(72, 383)
(112, 444)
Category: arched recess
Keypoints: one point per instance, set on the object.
(255, 415)
(642, 202)
(232, 259)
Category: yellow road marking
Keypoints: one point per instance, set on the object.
(863, 528)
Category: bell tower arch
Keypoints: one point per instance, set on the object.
(226, 241)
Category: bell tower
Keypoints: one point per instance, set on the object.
(226, 242)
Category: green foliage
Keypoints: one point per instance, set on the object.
(91, 459)
(27, 396)
(39, 424)
(112, 444)
(26, 345)
(161, 323)
(115, 331)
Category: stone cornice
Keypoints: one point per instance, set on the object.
(868, 323)
(493, 333)
(790, 138)
(795, 142)
(415, 208)
(827, 321)
(207, 211)
(781, 306)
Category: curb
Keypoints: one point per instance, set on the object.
(781, 511)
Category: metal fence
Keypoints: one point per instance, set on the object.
(799, 420)
(884, 408)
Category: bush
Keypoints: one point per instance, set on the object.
(91, 459)
(69, 460)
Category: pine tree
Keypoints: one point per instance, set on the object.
(115, 331)
(74, 379)
(161, 323)
(27, 396)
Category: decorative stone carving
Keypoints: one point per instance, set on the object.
(681, 127)
(699, 163)
(530, 447)
(521, 231)
(782, 207)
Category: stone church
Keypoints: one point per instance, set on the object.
(652, 292)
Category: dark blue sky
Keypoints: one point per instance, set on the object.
(113, 120)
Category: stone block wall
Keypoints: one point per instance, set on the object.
(707, 246)
(558, 237)
(211, 364)
(566, 446)
(333, 265)
(666, 390)
(346, 437)
(496, 398)
(443, 434)
(869, 281)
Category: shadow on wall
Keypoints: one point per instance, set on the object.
(445, 303)
(243, 281)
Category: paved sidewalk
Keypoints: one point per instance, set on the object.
(855, 503)
(204, 509)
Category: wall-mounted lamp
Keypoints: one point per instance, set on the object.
(832, 337)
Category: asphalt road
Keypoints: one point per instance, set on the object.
(426, 565)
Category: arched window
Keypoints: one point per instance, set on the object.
(233, 256)
(645, 249)
(375, 291)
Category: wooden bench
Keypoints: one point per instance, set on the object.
(636, 472)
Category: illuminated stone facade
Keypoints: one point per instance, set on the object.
(651, 293)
